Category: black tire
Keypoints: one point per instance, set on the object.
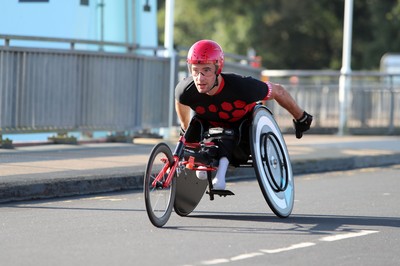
(159, 200)
(271, 162)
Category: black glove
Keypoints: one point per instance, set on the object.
(302, 124)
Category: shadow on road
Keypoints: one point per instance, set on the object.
(299, 223)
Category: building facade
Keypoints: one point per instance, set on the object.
(125, 21)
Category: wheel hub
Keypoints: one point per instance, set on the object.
(274, 162)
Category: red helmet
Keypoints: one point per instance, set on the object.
(206, 52)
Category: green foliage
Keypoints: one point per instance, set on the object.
(289, 34)
(6, 143)
(63, 138)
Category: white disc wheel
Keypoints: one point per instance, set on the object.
(271, 162)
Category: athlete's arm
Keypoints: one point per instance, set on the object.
(281, 95)
(183, 112)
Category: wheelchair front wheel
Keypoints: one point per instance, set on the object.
(159, 200)
(272, 163)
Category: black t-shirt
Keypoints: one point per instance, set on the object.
(236, 98)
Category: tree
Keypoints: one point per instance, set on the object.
(290, 34)
(376, 32)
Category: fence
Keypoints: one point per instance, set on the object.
(62, 90)
(68, 90)
(374, 104)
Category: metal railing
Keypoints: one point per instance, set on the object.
(72, 44)
(65, 90)
(374, 104)
(70, 89)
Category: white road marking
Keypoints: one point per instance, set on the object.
(348, 235)
(105, 198)
(289, 248)
(295, 246)
(214, 262)
(246, 256)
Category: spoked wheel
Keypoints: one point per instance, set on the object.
(159, 200)
(272, 163)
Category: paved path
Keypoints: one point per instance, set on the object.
(46, 171)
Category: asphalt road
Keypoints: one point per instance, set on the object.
(339, 218)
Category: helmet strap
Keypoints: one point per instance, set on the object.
(216, 81)
(215, 84)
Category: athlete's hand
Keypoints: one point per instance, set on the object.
(302, 124)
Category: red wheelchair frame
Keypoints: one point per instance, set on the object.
(170, 178)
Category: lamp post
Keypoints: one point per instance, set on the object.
(101, 6)
(169, 46)
(345, 71)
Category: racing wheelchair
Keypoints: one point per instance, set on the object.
(170, 181)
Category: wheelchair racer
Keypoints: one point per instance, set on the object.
(224, 99)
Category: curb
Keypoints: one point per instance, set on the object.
(47, 189)
(345, 163)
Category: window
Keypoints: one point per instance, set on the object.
(33, 1)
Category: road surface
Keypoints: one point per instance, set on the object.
(339, 218)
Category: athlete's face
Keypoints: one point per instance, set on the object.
(204, 76)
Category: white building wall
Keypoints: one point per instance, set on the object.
(120, 21)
